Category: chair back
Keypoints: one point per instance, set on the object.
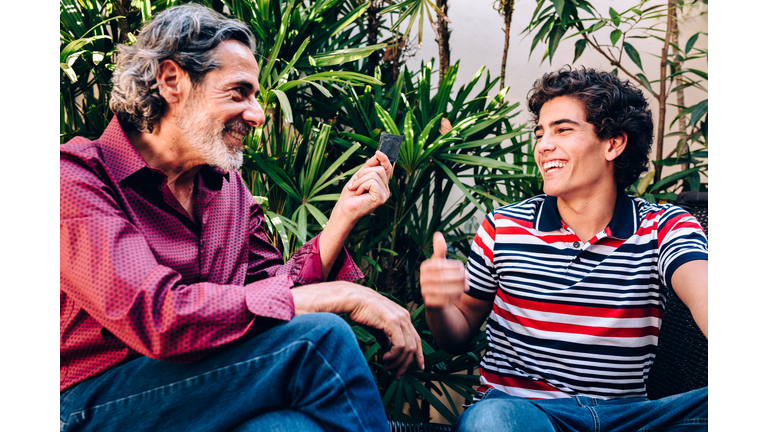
(681, 358)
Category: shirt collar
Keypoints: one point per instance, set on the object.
(623, 224)
(123, 160)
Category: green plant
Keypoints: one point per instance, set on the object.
(554, 21)
(465, 160)
(324, 118)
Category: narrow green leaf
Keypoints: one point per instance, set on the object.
(645, 182)
(645, 82)
(285, 105)
(580, 45)
(334, 166)
(554, 40)
(615, 36)
(559, 5)
(363, 335)
(691, 41)
(633, 55)
(672, 178)
(346, 55)
(302, 224)
(389, 124)
(318, 215)
(460, 185)
(349, 19)
(615, 17)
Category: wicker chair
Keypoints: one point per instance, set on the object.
(681, 358)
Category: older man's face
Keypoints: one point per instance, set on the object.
(222, 108)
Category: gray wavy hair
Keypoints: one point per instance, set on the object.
(187, 35)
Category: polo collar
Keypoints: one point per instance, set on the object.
(624, 223)
(123, 160)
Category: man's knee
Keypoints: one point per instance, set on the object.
(508, 414)
(325, 330)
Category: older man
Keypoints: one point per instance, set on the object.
(573, 282)
(176, 312)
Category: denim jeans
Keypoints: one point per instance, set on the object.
(306, 375)
(498, 411)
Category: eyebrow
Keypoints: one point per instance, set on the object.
(247, 84)
(557, 122)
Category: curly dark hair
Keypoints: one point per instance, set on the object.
(611, 105)
(186, 34)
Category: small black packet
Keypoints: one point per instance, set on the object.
(389, 144)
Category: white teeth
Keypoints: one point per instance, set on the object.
(553, 164)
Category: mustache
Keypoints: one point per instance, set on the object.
(238, 125)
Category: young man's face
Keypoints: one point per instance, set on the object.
(573, 161)
(222, 108)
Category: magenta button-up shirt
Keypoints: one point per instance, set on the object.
(140, 277)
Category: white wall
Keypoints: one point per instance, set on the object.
(477, 39)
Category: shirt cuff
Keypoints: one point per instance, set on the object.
(271, 298)
(344, 269)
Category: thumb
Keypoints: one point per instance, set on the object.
(440, 247)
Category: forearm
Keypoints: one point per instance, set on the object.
(331, 241)
(449, 328)
(333, 297)
(690, 283)
(454, 325)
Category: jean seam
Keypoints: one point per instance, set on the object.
(178, 383)
(686, 422)
(343, 384)
(110, 404)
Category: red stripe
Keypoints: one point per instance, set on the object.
(486, 251)
(521, 222)
(489, 229)
(630, 332)
(517, 382)
(590, 311)
(563, 238)
(612, 242)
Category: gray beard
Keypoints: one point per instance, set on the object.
(208, 138)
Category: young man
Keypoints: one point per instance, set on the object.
(573, 283)
(176, 312)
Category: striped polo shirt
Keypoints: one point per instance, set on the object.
(572, 318)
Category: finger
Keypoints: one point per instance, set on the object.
(365, 174)
(384, 160)
(441, 249)
(377, 174)
(419, 351)
(466, 281)
(373, 187)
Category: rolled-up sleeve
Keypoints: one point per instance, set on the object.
(304, 267)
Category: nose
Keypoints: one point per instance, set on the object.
(545, 144)
(254, 114)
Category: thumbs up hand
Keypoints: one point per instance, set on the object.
(442, 280)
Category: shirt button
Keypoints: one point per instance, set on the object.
(202, 243)
(576, 244)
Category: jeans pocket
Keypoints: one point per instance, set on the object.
(487, 393)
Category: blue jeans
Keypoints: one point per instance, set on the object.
(305, 375)
(498, 411)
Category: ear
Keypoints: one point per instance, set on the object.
(173, 82)
(616, 146)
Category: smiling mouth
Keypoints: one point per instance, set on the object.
(236, 135)
(553, 166)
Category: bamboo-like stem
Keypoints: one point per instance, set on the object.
(507, 9)
(662, 98)
(443, 34)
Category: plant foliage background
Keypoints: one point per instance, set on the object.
(333, 77)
